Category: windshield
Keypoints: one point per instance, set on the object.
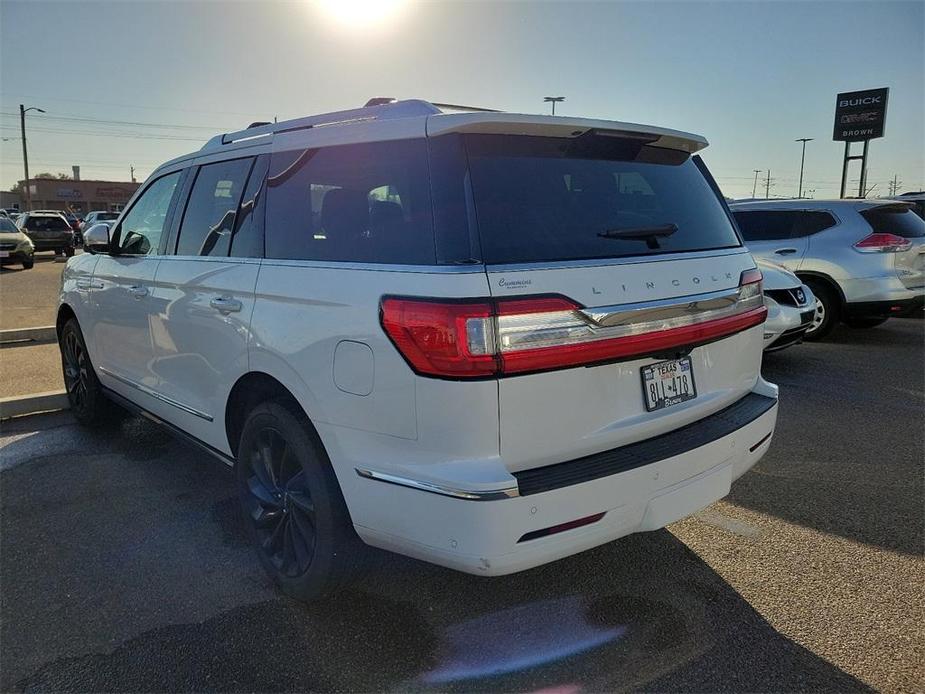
(107, 216)
(7, 225)
(542, 199)
(47, 224)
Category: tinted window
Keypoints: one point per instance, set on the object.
(367, 203)
(46, 224)
(247, 241)
(766, 225)
(107, 216)
(901, 221)
(213, 204)
(141, 229)
(811, 222)
(540, 199)
(7, 225)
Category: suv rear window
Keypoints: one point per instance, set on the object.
(47, 224)
(107, 216)
(367, 203)
(895, 219)
(545, 199)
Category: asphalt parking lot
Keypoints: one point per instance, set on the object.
(124, 568)
(28, 298)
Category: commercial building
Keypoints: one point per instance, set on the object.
(76, 195)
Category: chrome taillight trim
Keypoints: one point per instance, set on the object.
(557, 328)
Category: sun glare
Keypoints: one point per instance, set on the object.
(361, 13)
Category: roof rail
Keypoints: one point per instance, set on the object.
(378, 111)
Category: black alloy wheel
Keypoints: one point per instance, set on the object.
(76, 366)
(280, 506)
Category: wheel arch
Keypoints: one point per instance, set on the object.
(248, 391)
(823, 278)
(65, 313)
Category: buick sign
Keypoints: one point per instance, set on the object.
(860, 115)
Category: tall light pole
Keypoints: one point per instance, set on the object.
(553, 100)
(755, 184)
(25, 156)
(804, 140)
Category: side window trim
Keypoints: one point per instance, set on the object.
(168, 240)
(259, 167)
(116, 236)
(193, 174)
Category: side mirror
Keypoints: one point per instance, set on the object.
(96, 239)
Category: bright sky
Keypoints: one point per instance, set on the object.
(136, 83)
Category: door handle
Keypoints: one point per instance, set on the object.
(225, 304)
(138, 291)
(786, 251)
(88, 284)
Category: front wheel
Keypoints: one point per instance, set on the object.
(28, 263)
(84, 392)
(828, 307)
(293, 504)
(69, 251)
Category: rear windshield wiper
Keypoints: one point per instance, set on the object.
(641, 233)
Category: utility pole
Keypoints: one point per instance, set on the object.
(804, 140)
(25, 156)
(131, 170)
(755, 184)
(553, 100)
(767, 186)
(894, 185)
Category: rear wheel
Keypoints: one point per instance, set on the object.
(828, 307)
(69, 251)
(28, 263)
(293, 505)
(865, 322)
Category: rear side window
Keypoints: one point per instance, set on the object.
(213, 203)
(895, 219)
(368, 203)
(772, 225)
(546, 199)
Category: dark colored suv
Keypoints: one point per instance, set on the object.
(49, 231)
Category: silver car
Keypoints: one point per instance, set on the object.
(791, 306)
(864, 260)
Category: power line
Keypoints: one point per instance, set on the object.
(77, 119)
(97, 133)
(139, 106)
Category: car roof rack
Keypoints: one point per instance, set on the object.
(377, 108)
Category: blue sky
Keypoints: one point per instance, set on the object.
(750, 76)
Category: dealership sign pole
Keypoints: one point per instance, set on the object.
(859, 117)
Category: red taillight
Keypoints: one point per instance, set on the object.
(883, 243)
(434, 336)
(499, 337)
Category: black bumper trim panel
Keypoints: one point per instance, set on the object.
(687, 438)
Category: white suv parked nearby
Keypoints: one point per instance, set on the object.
(482, 339)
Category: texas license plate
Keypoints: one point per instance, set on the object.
(668, 383)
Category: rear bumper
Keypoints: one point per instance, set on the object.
(53, 244)
(639, 487)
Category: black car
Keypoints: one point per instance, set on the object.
(49, 231)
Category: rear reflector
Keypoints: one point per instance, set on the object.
(562, 527)
(500, 337)
(883, 243)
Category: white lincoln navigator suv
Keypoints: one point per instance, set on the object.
(486, 340)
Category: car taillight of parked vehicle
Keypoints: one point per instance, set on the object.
(482, 338)
(883, 243)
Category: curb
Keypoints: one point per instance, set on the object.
(15, 337)
(20, 405)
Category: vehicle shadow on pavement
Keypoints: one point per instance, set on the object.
(125, 568)
(853, 468)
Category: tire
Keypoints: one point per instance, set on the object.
(863, 323)
(69, 251)
(828, 307)
(28, 264)
(84, 393)
(293, 506)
